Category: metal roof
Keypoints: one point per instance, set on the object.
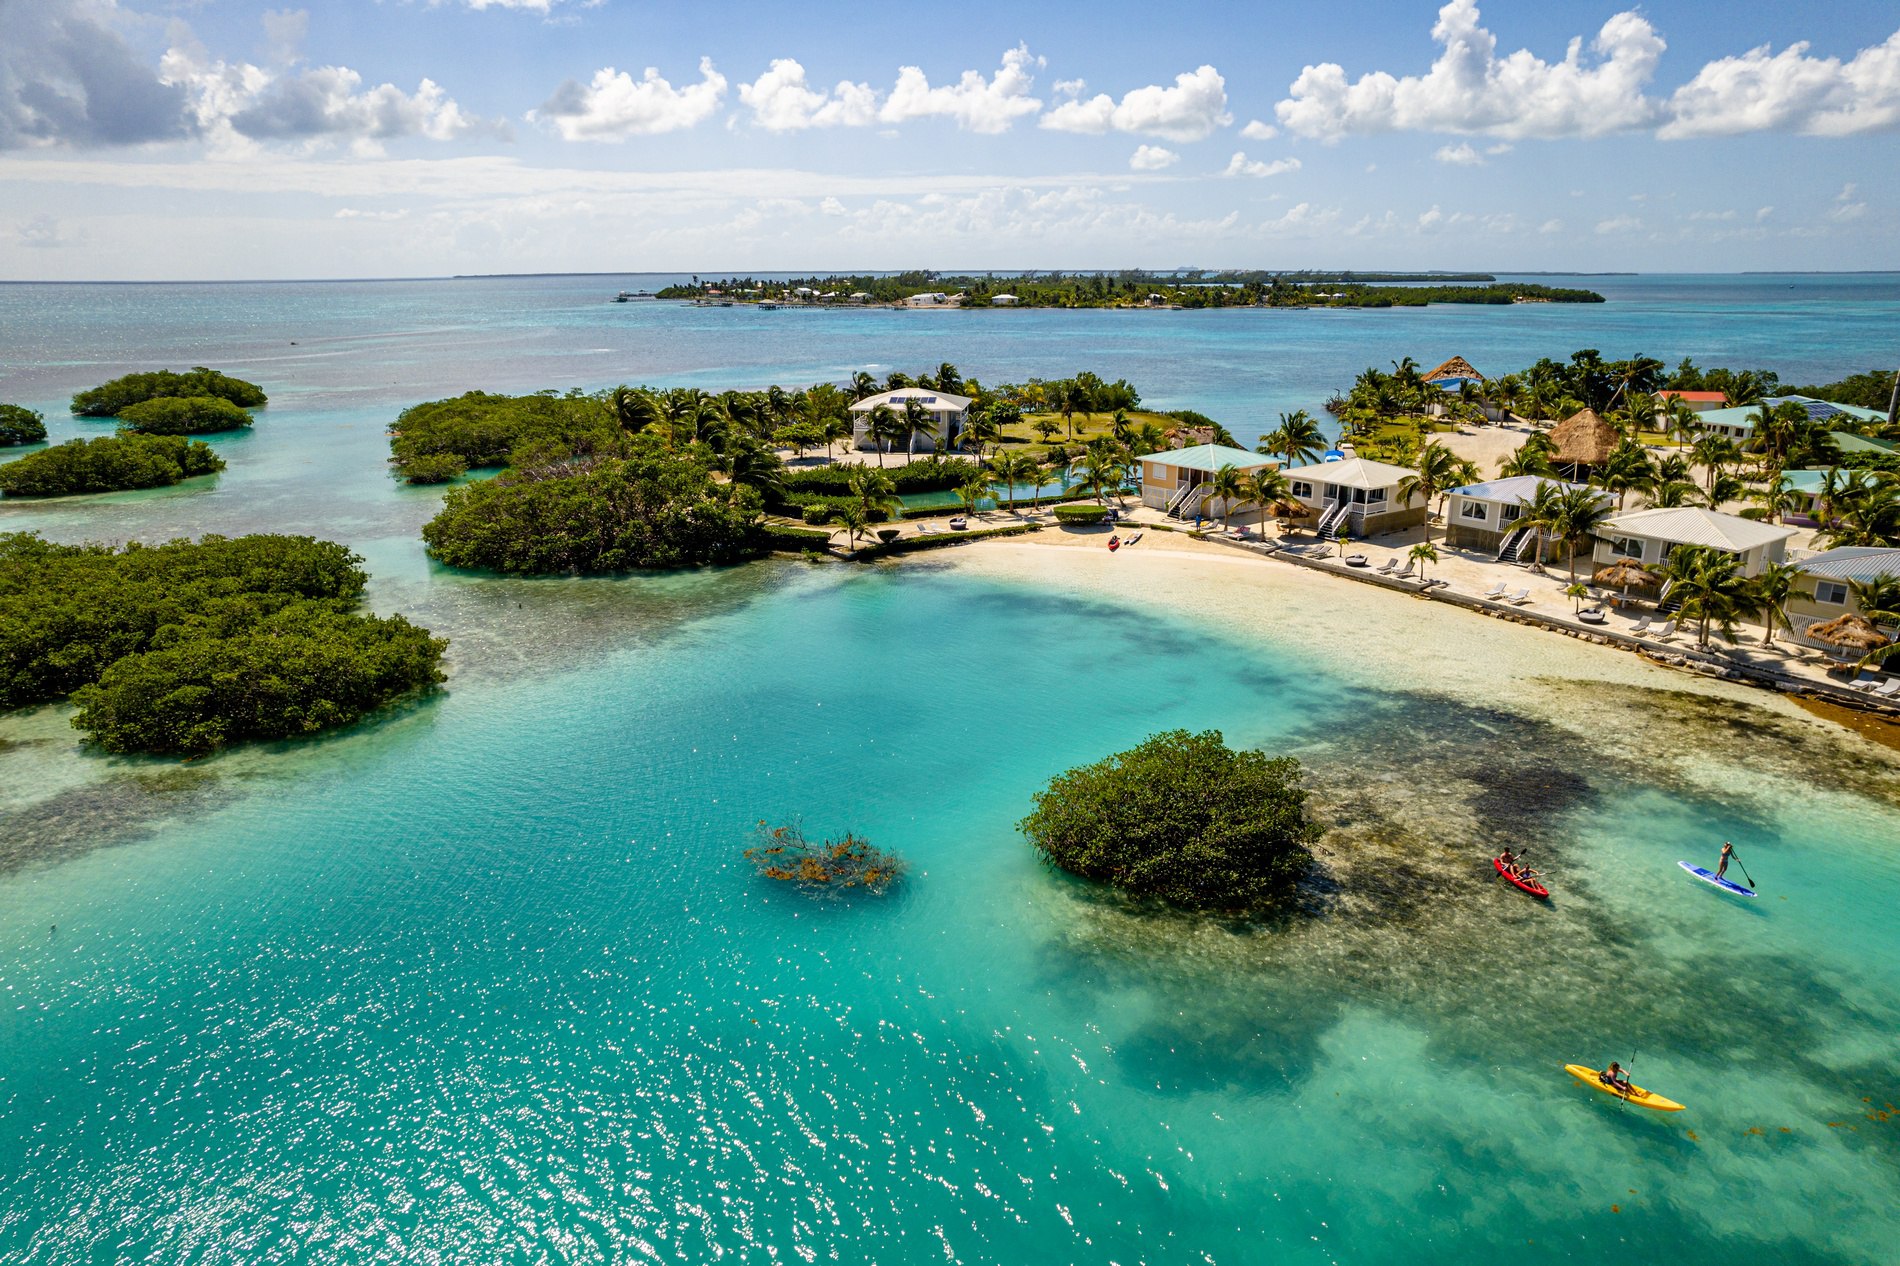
(1848, 442)
(1516, 490)
(1741, 416)
(1357, 472)
(1855, 562)
(946, 402)
(1207, 457)
(1692, 525)
(1823, 409)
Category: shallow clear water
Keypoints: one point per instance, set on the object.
(489, 980)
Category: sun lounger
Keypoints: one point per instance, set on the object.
(1864, 683)
(1391, 565)
(1521, 597)
(1405, 572)
(1640, 627)
(1667, 631)
(930, 529)
(1496, 591)
(1886, 689)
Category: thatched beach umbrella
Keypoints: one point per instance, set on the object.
(1292, 510)
(1582, 439)
(1625, 575)
(1848, 632)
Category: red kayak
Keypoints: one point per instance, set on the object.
(1114, 543)
(1528, 885)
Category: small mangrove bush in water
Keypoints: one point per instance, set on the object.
(1181, 817)
(20, 425)
(111, 463)
(108, 400)
(186, 647)
(183, 415)
(824, 866)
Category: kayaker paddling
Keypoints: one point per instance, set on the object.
(1616, 1077)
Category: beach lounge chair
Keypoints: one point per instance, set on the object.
(1667, 631)
(1886, 689)
(1405, 572)
(1391, 565)
(1864, 683)
(930, 529)
(1640, 627)
(1521, 597)
(1496, 591)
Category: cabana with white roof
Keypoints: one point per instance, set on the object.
(1826, 590)
(1487, 516)
(1649, 536)
(948, 413)
(1357, 495)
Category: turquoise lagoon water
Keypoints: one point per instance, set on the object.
(489, 981)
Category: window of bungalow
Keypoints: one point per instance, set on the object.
(1509, 513)
(1375, 496)
(1831, 593)
(1475, 510)
(1301, 488)
(1626, 547)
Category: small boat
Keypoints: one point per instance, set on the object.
(1528, 885)
(1114, 543)
(767, 305)
(1132, 539)
(622, 297)
(1710, 877)
(1635, 1096)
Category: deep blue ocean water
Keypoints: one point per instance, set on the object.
(488, 980)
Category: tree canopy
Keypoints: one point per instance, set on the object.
(20, 425)
(437, 440)
(183, 415)
(108, 400)
(188, 646)
(111, 463)
(1182, 817)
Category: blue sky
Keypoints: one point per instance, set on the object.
(219, 139)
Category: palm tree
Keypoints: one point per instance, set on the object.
(1297, 439)
(876, 494)
(1012, 470)
(853, 519)
(1541, 514)
(634, 409)
(1722, 490)
(1580, 511)
(980, 430)
(1576, 591)
(1710, 585)
(862, 385)
(918, 420)
(975, 490)
(1074, 396)
(1263, 487)
(1712, 451)
(751, 464)
(1422, 553)
(1778, 497)
(1228, 485)
(1770, 591)
(1055, 472)
(1438, 470)
(1627, 469)
(884, 427)
(1879, 601)
(832, 430)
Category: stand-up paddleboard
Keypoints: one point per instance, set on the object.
(1710, 877)
(1635, 1096)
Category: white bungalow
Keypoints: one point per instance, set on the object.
(1357, 495)
(1737, 422)
(1003, 301)
(1175, 479)
(1650, 536)
(1694, 401)
(1486, 516)
(948, 413)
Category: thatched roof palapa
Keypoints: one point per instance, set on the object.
(1455, 368)
(1625, 575)
(1849, 632)
(1582, 439)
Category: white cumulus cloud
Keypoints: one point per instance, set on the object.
(1239, 165)
(1459, 155)
(1846, 207)
(1189, 111)
(781, 101)
(1256, 130)
(1152, 158)
(1471, 89)
(1619, 224)
(615, 105)
(1790, 91)
(976, 104)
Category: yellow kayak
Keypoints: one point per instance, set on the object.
(1636, 1096)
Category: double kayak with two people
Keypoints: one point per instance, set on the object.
(1634, 1095)
(1521, 876)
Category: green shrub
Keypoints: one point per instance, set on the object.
(913, 544)
(816, 512)
(304, 669)
(109, 399)
(484, 430)
(808, 505)
(926, 474)
(1181, 817)
(69, 611)
(435, 468)
(183, 415)
(1081, 512)
(20, 425)
(778, 538)
(110, 463)
(653, 508)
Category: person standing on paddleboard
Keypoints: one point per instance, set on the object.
(1721, 867)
